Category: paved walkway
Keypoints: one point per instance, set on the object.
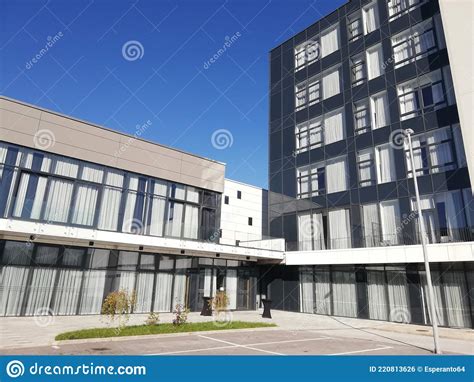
(297, 333)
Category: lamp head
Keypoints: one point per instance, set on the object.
(408, 131)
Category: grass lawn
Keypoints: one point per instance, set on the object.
(141, 330)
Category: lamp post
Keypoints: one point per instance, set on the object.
(421, 226)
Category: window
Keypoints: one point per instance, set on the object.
(239, 194)
(374, 62)
(250, 221)
(311, 181)
(385, 164)
(354, 26)
(422, 95)
(306, 53)
(111, 198)
(331, 83)
(337, 175)
(366, 167)
(380, 116)
(390, 222)
(133, 219)
(174, 219)
(329, 40)
(396, 8)
(371, 17)
(371, 224)
(361, 117)
(414, 43)
(358, 70)
(307, 93)
(309, 135)
(226, 199)
(432, 152)
(322, 130)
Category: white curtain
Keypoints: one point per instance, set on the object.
(336, 175)
(334, 128)
(13, 289)
(329, 41)
(306, 286)
(144, 292)
(174, 220)
(425, 297)
(366, 162)
(318, 231)
(322, 286)
(305, 242)
(401, 48)
(408, 101)
(377, 295)
(459, 144)
(440, 153)
(164, 282)
(191, 224)
(231, 287)
(370, 18)
(37, 204)
(67, 292)
(398, 296)
(111, 197)
(386, 169)
(179, 293)
(457, 299)
(454, 212)
(390, 218)
(58, 200)
(380, 111)
(157, 219)
(40, 291)
(374, 62)
(92, 173)
(93, 292)
(339, 229)
(85, 205)
(66, 167)
(331, 84)
(370, 214)
(344, 294)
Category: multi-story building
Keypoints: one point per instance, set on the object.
(85, 210)
(342, 94)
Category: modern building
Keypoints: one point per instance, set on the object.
(341, 191)
(85, 210)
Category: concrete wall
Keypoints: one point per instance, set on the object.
(235, 215)
(457, 17)
(30, 126)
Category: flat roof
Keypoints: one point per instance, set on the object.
(105, 128)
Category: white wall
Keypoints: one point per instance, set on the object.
(457, 16)
(234, 216)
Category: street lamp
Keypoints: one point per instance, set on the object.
(421, 226)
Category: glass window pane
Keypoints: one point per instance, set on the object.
(166, 262)
(174, 219)
(85, 204)
(17, 253)
(58, 200)
(127, 260)
(73, 257)
(147, 261)
(46, 255)
(98, 258)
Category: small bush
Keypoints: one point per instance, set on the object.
(152, 319)
(180, 314)
(117, 307)
(220, 302)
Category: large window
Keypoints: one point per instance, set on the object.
(375, 67)
(329, 40)
(380, 114)
(433, 152)
(60, 190)
(318, 88)
(385, 164)
(429, 92)
(323, 177)
(370, 16)
(358, 69)
(416, 42)
(397, 8)
(361, 117)
(366, 167)
(354, 26)
(376, 165)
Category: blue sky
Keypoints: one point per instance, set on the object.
(171, 82)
